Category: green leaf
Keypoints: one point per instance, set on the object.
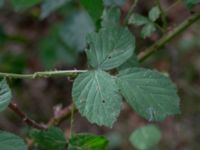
(52, 139)
(150, 93)
(5, 95)
(9, 141)
(138, 19)
(154, 13)
(48, 6)
(87, 142)
(110, 17)
(114, 2)
(100, 103)
(147, 30)
(75, 29)
(24, 4)
(94, 8)
(110, 48)
(191, 3)
(145, 138)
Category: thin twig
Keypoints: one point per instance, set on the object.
(45, 74)
(168, 37)
(25, 118)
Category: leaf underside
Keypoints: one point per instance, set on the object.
(150, 93)
(110, 48)
(96, 96)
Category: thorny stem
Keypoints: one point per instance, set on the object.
(45, 74)
(25, 118)
(168, 37)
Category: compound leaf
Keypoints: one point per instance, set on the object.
(9, 141)
(5, 95)
(110, 48)
(150, 93)
(87, 142)
(96, 96)
(145, 138)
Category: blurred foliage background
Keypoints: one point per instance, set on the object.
(50, 35)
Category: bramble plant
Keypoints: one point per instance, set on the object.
(114, 73)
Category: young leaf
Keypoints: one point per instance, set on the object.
(145, 138)
(110, 17)
(24, 4)
(147, 30)
(87, 142)
(5, 95)
(138, 19)
(114, 2)
(49, 6)
(150, 93)
(94, 8)
(9, 141)
(75, 29)
(191, 3)
(52, 139)
(110, 48)
(154, 13)
(96, 96)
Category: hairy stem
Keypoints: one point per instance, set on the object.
(45, 74)
(25, 118)
(168, 37)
